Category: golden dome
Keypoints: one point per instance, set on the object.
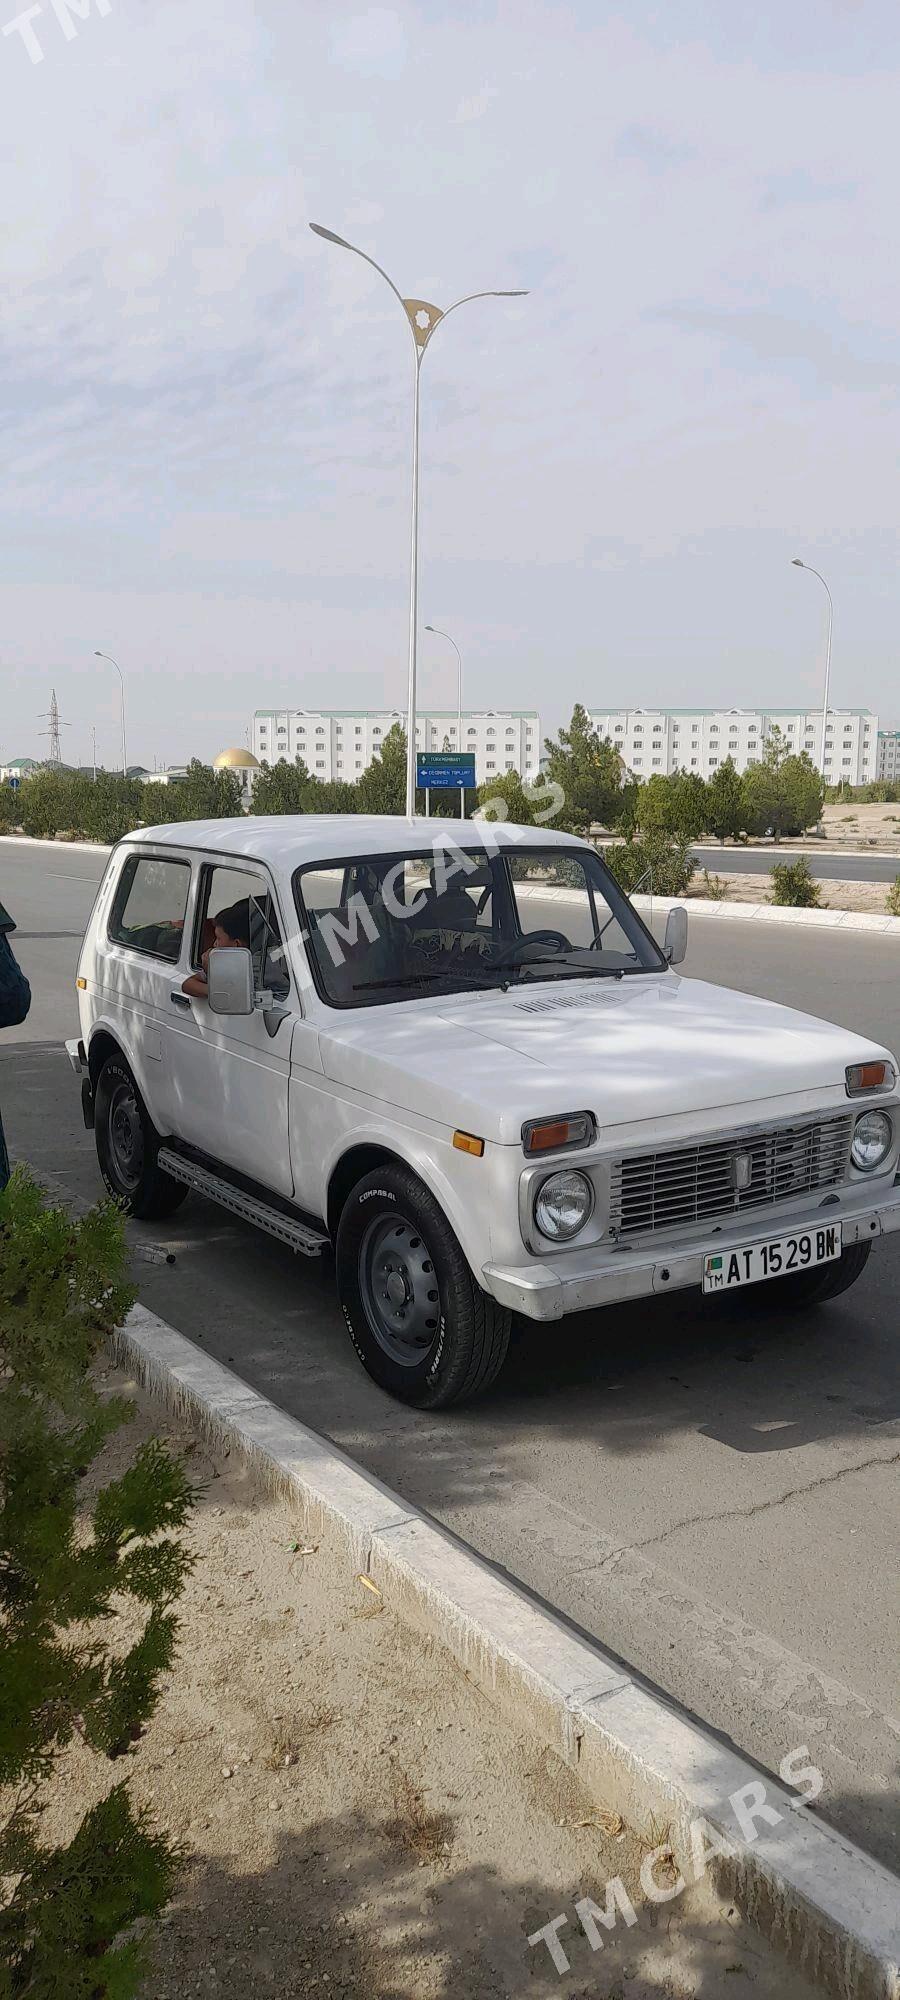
(235, 760)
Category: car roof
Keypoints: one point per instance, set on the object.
(293, 839)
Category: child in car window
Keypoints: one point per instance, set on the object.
(230, 927)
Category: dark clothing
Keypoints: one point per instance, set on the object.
(15, 1000)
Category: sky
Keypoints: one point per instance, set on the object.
(206, 409)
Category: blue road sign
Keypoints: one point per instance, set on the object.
(14, 784)
(437, 770)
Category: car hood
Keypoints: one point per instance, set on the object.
(644, 1046)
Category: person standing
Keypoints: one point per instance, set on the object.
(15, 1000)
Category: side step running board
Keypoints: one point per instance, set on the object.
(288, 1228)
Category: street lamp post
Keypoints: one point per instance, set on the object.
(798, 564)
(452, 642)
(422, 319)
(115, 663)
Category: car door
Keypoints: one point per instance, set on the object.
(139, 954)
(229, 1073)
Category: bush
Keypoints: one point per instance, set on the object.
(664, 867)
(714, 887)
(793, 884)
(892, 899)
(65, 1570)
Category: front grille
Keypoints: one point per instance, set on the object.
(746, 1170)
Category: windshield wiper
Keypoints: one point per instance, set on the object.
(579, 968)
(429, 978)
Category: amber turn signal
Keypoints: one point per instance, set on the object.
(466, 1142)
(869, 1076)
(554, 1135)
(81, 985)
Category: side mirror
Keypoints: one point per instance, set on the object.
(230, 974)
(676, 938)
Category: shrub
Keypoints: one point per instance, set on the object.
(793, 884)
(892, 899)
(714, 887)
(65, 1568)
(664, 867)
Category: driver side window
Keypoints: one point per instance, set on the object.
(243, 898)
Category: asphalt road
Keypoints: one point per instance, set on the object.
(712, 1493)
(827, 866)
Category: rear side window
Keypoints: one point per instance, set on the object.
(149, 906)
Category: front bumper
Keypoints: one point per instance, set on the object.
(604, 1275)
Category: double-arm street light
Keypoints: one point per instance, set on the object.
(798, 564)
(115, 663)
(422, 319)
(452, 642)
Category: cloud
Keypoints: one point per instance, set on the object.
(470, 109)
(206, 411)
(372, 44)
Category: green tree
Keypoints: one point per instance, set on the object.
(505, 797)
(382, 787)
(802, 793)
(112, 805)
(590, 773)
(783, 793)
(674, 805)
(724, 802)
(331, 795)
(656, 862)
(208, 794)
(282, 788)
(52, 801)
(158, 804)
(67, 1912)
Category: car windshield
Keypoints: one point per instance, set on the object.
(391, 927)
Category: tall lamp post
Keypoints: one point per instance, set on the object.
(115, 663)
(452, 642)
(422, 319)
(797, 564)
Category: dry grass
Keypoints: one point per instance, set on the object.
(426, 1835)
(287, 1742)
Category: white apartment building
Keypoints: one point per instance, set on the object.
(700, 739)
(340, 742)
(888, 766)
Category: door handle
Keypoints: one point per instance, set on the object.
(179, 999)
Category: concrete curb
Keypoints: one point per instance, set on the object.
(59, 846)
(822, 1901)
(771, 913)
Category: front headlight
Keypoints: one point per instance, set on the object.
(872, 1139)
(563, 1205)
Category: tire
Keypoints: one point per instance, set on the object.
(804, 1289)
(127, 1147)
(423, 1329)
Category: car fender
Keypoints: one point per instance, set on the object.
(141, 1051)
(451, 1176)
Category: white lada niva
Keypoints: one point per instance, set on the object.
(454, 1052)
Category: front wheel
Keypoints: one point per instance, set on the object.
(127, 1146)
(802, 1290)
(827, 1281)
(420, 1324)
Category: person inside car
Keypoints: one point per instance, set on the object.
(230, 927)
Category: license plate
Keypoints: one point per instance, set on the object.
(724, 1270)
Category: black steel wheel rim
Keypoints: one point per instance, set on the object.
(399, 1288)
(126, 1135)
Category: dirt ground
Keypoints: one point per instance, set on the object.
(833, 895)
(359, 1822)
(854, 824)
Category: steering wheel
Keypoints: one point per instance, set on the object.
(519, 952)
